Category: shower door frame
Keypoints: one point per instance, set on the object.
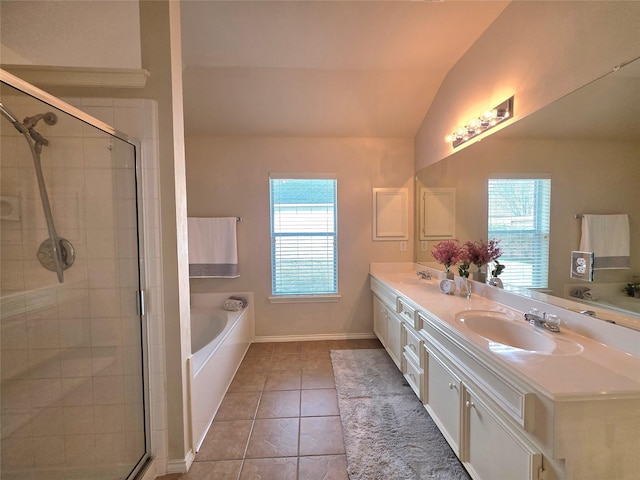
(33, 91)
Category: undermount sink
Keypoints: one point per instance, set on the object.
(506, 334)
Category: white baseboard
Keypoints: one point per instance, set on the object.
(181, 465)
(310, 338)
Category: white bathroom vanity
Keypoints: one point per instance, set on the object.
(513, 400)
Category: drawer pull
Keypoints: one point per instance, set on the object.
(413, 377)
(413, 347)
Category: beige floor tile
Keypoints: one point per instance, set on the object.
(325, 467)
(319, 403)
(248, 382)
(286, 361)
(283, 380)
(225, 441)
(238, 406)
(221, 470)
(270, 469)
(255, 363)
(260, 349)
(316, 360)
(279, 404)
(321, 436)
(316, 346)
(274, 437)
(288, 347)
(318, 378)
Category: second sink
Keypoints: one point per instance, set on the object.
(504, 331)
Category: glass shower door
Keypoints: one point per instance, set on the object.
(72, 337)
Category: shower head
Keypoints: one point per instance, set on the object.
(49, 118)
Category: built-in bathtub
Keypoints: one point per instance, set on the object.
(219, 341)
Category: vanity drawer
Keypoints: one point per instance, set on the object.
(413, 374)
(408, 313)
(412, 344)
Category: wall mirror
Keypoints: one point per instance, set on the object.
(588, 144)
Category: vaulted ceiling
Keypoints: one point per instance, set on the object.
(321, 68)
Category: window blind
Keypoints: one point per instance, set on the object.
(519, 211)
(303, 236)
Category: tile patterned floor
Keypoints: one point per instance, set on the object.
(279, 419)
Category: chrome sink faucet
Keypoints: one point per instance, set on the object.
(543, 320)
(425, 275)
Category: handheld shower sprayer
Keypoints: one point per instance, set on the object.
(55, 253)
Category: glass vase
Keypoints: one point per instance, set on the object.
(480, 276)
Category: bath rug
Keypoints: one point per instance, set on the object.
(387, 432)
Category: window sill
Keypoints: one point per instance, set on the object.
(334, 297)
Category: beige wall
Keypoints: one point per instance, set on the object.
(535, 50)
(586, 177)
(79, 33)
(229, 177)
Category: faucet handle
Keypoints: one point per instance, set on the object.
(552, 322)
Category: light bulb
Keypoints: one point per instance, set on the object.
(473, 124)
(489, 114)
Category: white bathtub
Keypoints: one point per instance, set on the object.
(209, 326)
(219, 340)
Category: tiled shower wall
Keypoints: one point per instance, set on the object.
(68, 358)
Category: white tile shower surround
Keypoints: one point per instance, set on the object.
(64, 367)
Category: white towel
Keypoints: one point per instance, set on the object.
(213, 249)
(607, 236)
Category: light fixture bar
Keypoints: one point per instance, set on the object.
(481, 124)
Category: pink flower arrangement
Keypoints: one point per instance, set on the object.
(480, 252)
(448, 252)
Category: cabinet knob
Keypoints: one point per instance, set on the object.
(452, 386)
(413, 347)
(469, 404)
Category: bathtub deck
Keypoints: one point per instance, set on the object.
(279, 418)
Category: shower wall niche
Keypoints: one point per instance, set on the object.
(75, 379)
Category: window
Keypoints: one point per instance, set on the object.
(303, 236)
(519, 217)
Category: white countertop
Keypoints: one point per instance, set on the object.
(598, 371)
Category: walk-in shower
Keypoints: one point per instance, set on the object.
(74, 375)
(55, 253)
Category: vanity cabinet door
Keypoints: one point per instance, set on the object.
(394, 329)
(444, 399)
(387, 326)
(493, 450)
(380, 320)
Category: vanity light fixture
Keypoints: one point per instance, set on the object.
(484, 122)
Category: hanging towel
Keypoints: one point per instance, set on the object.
(607, 236)
(213, 249)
